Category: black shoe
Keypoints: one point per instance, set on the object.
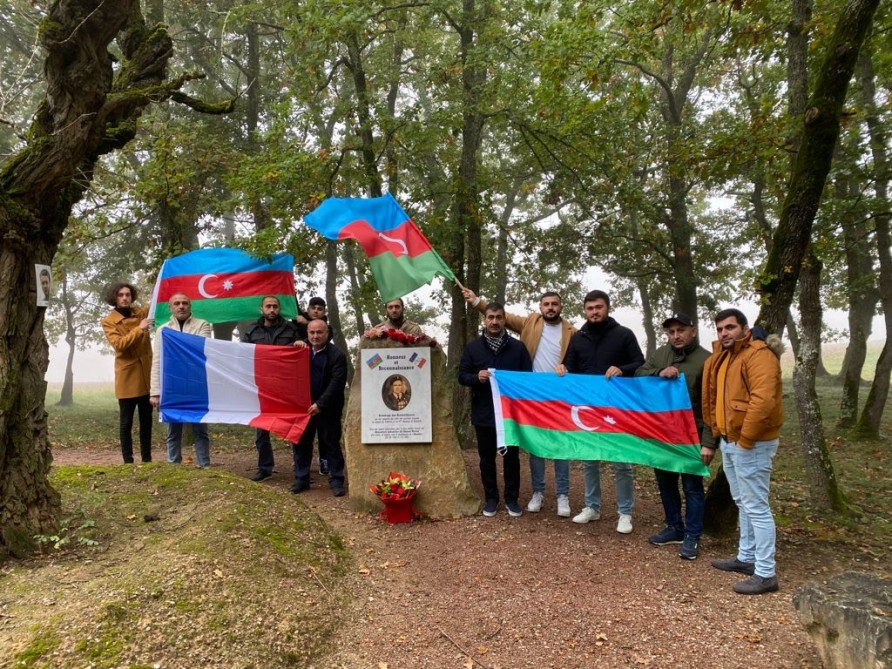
(260, 475)
(733, 564)
(338, 490)
(323, 467)
(756, 585)
(299, 486)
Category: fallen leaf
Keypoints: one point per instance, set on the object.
(469, 663)
(482, 650)
(363, 569)
(218, 573)
(382, 665)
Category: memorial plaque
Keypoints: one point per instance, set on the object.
(396, 395)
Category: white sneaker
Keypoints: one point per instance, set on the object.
(564, 506)
(586, 515)
(624, 524)
(535, 505)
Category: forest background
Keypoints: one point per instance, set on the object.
(533, 141)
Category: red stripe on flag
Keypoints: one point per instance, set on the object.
(671, 427)
(282, 375)
(405, 239)
(224, 285)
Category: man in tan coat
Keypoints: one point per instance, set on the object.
(127, 330)
(181, 319)
(545, 334)
(742, 404)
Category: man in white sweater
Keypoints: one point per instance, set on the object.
(181, 318)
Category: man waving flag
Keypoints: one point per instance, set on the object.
(400, 256)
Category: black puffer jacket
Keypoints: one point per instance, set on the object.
(595, 348)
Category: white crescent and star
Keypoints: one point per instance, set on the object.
(395, 241)
(577, 420)
(201, 288)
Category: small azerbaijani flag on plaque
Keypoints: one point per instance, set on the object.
(225, 284)
(374, 361)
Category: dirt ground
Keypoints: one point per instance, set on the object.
(541, 591)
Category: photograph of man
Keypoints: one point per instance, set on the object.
(44, 284)
(396, 392)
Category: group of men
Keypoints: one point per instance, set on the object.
(735, 395)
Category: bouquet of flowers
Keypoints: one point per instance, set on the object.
(399, 336)
(396, 486)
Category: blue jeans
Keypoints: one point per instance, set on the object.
(175, 443)
(561, 475)
(622, 474)
(667, 482)
(749, 477)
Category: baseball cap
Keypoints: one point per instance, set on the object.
(680, 318)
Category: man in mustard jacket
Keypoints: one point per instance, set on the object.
(545, 334)
(127, 330)
(742, 404)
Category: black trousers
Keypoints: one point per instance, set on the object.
(486, 448)
(127, 406)
(328, 425)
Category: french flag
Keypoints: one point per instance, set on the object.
(214, 381)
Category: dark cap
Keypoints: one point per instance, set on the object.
(680, 318)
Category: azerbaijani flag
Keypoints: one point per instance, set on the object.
(214, 381)
(400, 256)
(646, 420)
(224, 284)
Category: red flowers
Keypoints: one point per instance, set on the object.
(399, 336)
(395, 486)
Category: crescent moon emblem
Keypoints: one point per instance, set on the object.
(395, 241)
(574, 415)
(201, 289)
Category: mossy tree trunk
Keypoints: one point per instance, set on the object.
(825, 492)
(91, 107)
(819, 136)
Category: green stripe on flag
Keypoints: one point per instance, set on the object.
(224, 310)
(615, 447)
(399, 276)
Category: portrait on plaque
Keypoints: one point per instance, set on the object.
(396, 396)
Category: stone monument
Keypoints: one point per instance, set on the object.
(445, 489)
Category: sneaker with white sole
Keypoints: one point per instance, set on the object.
(536, 502)
(514, 509)
(563, 503)
(490, 508)
(587, 515)
(624, 524)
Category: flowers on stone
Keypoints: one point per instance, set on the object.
(399, 336)
(395, 486)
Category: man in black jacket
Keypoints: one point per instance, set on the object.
(328, 376)
(269, 329)
(495, 349)
(603, 346)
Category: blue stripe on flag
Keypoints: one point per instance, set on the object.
(381, 213)
(643, 393)
(184, 384)
(221, 260)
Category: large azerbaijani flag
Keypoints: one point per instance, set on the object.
(214, 381)
(400, 256)
(225, 284)
(646, 420)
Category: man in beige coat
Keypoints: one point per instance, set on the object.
(545, 334)
(126, 328)
(182, 320)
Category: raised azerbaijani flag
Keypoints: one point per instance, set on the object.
(645, 420)
(225, 284)
(400, 256)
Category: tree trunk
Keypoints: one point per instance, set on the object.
(819, 136)
(869, 423)
(825, 493)
(331, 300)
(92, 104)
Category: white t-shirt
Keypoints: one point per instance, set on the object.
(548, 353)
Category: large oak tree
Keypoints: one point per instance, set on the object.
(103, 66)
